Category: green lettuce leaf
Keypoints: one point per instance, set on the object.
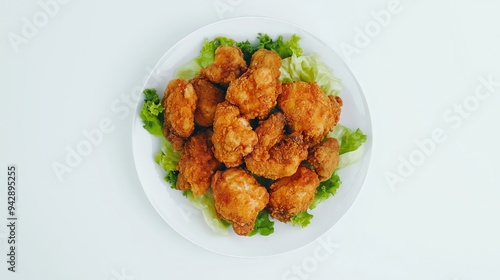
(150, 113)
(167, 158)
(248, 49)
(207, 52)
(302, 219)
(206, 204)
(326, 189)
(188, 71)
(263, 225)
(308, 68)
(351, 144)
(283, 48)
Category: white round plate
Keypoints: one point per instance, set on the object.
(188, 221)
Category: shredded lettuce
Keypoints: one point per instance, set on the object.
(302, 219)
(308, 68)
(150, 113)
(206, 204)
(263, 225)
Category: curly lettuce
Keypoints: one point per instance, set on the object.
(263, 225)
(150, 113)
(283, 48)
(326, 189)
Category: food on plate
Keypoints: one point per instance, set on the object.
(292, 195)
(179, 102)
(228, 65)
(308, 110)
(238, 198)
(197, 163)
(276, 155)
(256, 91)
(208, 97)
(324, 157)
(233, 136)
(251, 133)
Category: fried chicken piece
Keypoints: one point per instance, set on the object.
(276, 155)
(269, 59)
(256, 91)
(292, 195)
(179, 102)
(208, 98)
(309, 111)
(197, 163)
(181, 183)
(233, 136)
(325, 158)
(238, 198)
(228, 65)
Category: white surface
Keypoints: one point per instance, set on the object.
(82, 68)
(180, 214)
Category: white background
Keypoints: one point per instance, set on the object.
(441, 222)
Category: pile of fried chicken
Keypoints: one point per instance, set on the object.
(236, 123)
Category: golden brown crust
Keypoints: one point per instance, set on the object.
(228, 65)
(256, 91)
(276, 155)
(208, 98)
(179, 101)
(238, 198)
(292, 195)
(309, 111)
(197, 163)
(324, 157)
(233, 136)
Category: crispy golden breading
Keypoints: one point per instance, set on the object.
(179, 102)
(181, 183)
(309, 111)
(276, 155)
(266, 58)
(208, 98)
(197, 163)
(256, 91)
(292, 195)
(238, 198)
(228, 65)
(233, 136)
(325, 158)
